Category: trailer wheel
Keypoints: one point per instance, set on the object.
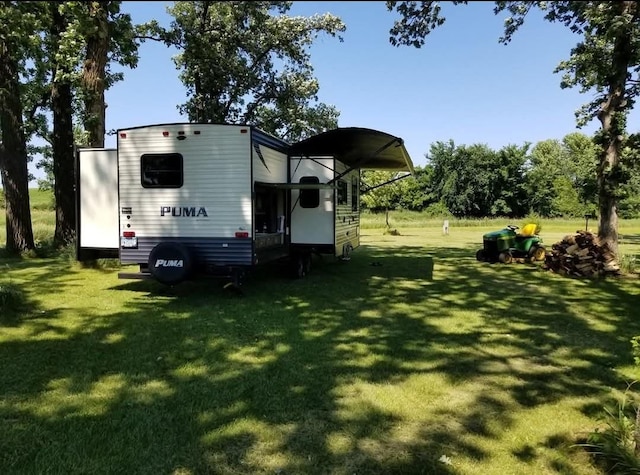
(307, 263)
(170, 263)
(346, 252)
(301, 265)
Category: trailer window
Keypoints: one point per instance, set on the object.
(354, 195)
(309, 198)
(342, 192)
(161, 170)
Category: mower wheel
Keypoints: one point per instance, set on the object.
(481, 255)
(505, 257)
(537, 253)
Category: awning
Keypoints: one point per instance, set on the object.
(357, 147)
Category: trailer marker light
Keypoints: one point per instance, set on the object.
(165, 133)
(123, 135)
(196, 132)
(129, 234)
(243, 131)
(242, 234)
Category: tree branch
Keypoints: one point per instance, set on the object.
(44, 98)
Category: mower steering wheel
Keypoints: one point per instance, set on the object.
(512, 227)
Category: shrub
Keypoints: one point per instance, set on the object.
(12, 302)
(617, 445)
(614, 447)
(628, 264)
(437, 210)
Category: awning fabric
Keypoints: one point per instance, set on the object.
(357, 147)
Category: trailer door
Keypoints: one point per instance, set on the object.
(97, 224)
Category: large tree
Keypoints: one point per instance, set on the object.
(108, 36)
(606, 62)
(82, 39)
(62, 110)
(248, 62)
(16, 37)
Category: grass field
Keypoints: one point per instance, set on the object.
(367, 366)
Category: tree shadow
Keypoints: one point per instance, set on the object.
(358, 368)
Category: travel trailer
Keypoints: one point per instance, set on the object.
(188, 199)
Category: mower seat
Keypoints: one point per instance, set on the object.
(528, 230)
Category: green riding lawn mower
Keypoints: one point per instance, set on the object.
(508, 245)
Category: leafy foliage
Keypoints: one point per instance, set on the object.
(248, 62)
(69, 59)
(554, 178)
(605, 63)
(476, 181)
(561, 176)
(615, 445)
(417, 20)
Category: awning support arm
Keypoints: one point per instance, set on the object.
(370, 188)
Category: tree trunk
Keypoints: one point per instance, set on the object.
(612, 118)
(13, 157)
(63, 169)
(93, 75)
(62, 143)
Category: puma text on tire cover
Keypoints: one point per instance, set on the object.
(170, 262)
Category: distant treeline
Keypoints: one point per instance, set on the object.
(553, 178)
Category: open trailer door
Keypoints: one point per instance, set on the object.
(97, 224)
(330, 222)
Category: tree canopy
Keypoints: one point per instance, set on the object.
(248, 62)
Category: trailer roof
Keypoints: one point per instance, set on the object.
(357, 147)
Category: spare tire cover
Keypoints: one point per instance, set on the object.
(170, 262)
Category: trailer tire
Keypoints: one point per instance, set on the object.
(170, 263)
(300, 267)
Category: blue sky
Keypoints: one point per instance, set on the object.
(462, 85)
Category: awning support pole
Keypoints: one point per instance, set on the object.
(368, 189)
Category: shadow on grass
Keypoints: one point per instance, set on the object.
(314, 375)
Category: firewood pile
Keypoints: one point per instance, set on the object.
(581, 255)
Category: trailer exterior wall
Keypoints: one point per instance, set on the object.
(347, 226)
(216, 184)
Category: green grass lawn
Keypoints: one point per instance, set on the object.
(367, 366)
